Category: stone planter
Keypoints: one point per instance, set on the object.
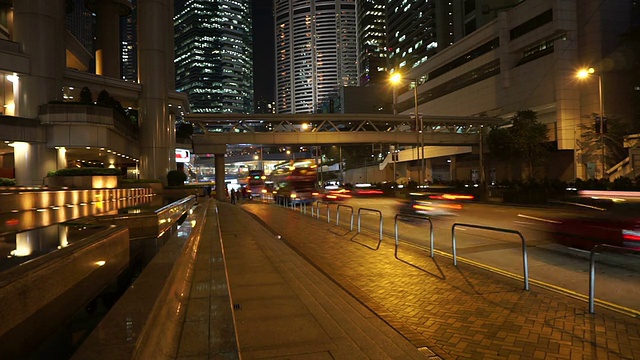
(158, 188)
(83, 182)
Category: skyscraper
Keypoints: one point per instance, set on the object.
(418, 29)
(372, 52)
(214, 53)
(128, 47)
(315, 52)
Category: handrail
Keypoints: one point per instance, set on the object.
(176, 203)
(338, 215)
(592, 268)
(372, 210)
(525, 262)
(318, 210)
(421, 217)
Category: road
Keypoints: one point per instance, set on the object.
(550, 265)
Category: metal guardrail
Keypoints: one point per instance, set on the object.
(359, 222)
(338, 215)
(592, 268)
(524, 246)
(318, 210)
(303, 206)
(421, 217)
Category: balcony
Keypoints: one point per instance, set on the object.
(83, 114)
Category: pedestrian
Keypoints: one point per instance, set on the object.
(244, 192)
(233, 196)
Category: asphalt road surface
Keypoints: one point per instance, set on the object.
(550, 265)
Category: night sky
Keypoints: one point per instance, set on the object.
(263, 50)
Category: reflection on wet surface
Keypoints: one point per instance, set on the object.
(25, 235)
(51, 232)
(21, 247)
(11, 222)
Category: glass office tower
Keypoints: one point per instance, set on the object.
(315, 52)
(372, 52)
(214, 55)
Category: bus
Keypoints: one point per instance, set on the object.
(295, 181)
(255, 184)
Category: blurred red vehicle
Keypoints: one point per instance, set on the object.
(433, 203)
(335, 194)
(366, 190)
(584, 222)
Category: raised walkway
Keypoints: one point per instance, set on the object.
(304, 289)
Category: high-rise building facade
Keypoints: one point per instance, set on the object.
(214, 54)
(372, 51)
(418, 29)
(128, 45)
(528, 57)
(80, 24)
(315, 52)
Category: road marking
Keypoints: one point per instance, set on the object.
(539, 219)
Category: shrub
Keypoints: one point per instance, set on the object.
(7, 182)
(140, 181)
(85, 171)
(176, 178)
(85, 96)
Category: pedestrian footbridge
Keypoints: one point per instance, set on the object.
(214, 130)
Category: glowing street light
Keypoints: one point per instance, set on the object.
(584, 74)
(395, 79)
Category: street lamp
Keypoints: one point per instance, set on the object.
(583, 74)
(395, 79)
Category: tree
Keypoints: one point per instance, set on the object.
(500, 144)
(590, 142)
(531, 138)
(184, 130)
(85, 96)
(103, 98)
(526, 141)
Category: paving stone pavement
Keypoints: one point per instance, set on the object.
(458, 312)
(284, 308)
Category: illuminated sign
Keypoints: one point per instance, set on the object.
(182, 155)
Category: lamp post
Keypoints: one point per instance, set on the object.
(420, 131)
(395, 79)
(583, 74)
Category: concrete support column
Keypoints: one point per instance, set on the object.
(37, 28)
(108, 13)
(32, 162)
(428, 170)
(453, 168)
(221, 192)
(157, 146)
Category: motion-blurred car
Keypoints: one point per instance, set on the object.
(363, 190)
(433, 204)
(583, 222)
(334, 194)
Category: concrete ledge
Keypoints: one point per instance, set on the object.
(147, 320)
(83, 182)
(147, 225)
(31, 200)
(41, 295)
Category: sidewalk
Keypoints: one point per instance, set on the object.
(309, 301)
(285, 308)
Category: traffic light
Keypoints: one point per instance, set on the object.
(597, 125)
